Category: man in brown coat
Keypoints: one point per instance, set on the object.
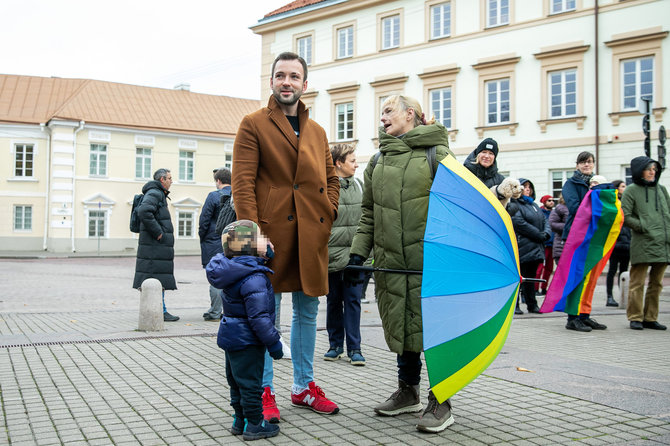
(284, 180)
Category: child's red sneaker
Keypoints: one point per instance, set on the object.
(270, 410)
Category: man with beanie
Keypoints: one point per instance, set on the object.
(547, 267)
(247, 329)
(646, 209)
(284, 180)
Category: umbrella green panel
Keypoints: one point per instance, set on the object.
(470, 278)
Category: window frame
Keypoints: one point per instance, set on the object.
(496, 68)
(145, 158)
(565, 175)
(435, 78)
(430, 30)
(499, 22)
(103, 219)
(310, 52)
(342, 94)
(23, 227)
(183, 217)
(98, 161)
(351, 43)
(563, 94)
(432, 111)
(564, 7)
(385, 86)
(381, 20)
(183, 176)
(23, 169)
(349, 119)
(638, 82)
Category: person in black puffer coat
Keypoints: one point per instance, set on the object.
(532, 230)
(155, 250)
(620, 254)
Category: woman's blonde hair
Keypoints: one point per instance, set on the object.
(404, 103)
(339, 152)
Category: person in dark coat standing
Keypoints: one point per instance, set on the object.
(532, 230)
(646, 210)
(620, 254)
(155, 250)
(576, 187)
(210, 242)
(547, 267)
(483, 163)
(557, 219)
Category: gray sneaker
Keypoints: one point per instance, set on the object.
(437, 417)
(404, 400)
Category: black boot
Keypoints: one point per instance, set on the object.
(611, 302)
(518, 310)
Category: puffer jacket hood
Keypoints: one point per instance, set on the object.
(421, 136)
(223, 272)
(637, 166)
(488, 175)
(154, 184)
(526, 180)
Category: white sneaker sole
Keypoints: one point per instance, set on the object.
(326, 358)
(407, 409)
(435, 429)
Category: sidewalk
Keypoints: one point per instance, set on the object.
(74, 370)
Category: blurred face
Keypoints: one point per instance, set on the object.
(649, 174)
(288, 82)
(167, 181)
(397, 122)
(586, 167)
(620, 189)
(527, 190)
(347, 168)
(486, 158)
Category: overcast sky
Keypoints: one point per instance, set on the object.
(158, 43)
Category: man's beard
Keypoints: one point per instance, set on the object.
(287, 101)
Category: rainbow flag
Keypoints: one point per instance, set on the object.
(588, 248)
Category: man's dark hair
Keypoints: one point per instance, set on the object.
(290, 56)
(584, 156)
(223, 174)
(161, 173)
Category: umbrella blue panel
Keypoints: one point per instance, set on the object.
(459, 314)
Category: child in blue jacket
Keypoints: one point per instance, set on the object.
(247, 326)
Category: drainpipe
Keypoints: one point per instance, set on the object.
(597, 98)
(74, 171)
(44, 128)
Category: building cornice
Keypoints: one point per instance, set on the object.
(556, 52)
(636, 38)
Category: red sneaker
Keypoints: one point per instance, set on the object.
(314, 398)
(270, 410)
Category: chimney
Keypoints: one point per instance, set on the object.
(183, 86)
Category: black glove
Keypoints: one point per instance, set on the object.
(277, 352)
(352, 277)
(545, 236)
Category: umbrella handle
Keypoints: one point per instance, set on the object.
(370, 269)
(526, 279)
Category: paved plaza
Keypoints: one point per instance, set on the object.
(74, 370)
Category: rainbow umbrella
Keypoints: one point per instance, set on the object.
(470, 279)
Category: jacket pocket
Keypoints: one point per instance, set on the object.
(269, 205)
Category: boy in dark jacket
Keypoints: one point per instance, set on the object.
(247, 327)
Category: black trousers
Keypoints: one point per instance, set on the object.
(409, 367)
(244, 372)
(618, 260)
(529, 269)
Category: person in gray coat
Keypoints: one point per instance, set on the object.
(155, 250)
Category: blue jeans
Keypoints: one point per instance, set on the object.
(343, 313)
(216, 304)
(303, 340)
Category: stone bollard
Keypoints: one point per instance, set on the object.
(151, 306)
(624, 282)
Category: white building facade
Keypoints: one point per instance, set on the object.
(547, 79)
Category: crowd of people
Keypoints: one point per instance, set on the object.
(305, 225)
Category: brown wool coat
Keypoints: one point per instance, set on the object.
(287, 185)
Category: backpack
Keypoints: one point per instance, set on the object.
(430, 156)
(134, 218)
(226, 215)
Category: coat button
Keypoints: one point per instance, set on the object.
(321, 219)
(321, 190)
(295, 186)
(290, 218)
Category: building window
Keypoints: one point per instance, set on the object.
(98, 160)
(185, 224)
(228, 161)
(563, 93)
(142, 163)
(96, 223)
(23, 160)
(440, 105)
(497, 101)
(23, 218)
(628, 175)
(638, 81)
(558, 179)
(497, 12)
(345, 42)
(558, 6)
(304, 48)
(391, 32)
(185, 165)
(344, 121)
(440, 20)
